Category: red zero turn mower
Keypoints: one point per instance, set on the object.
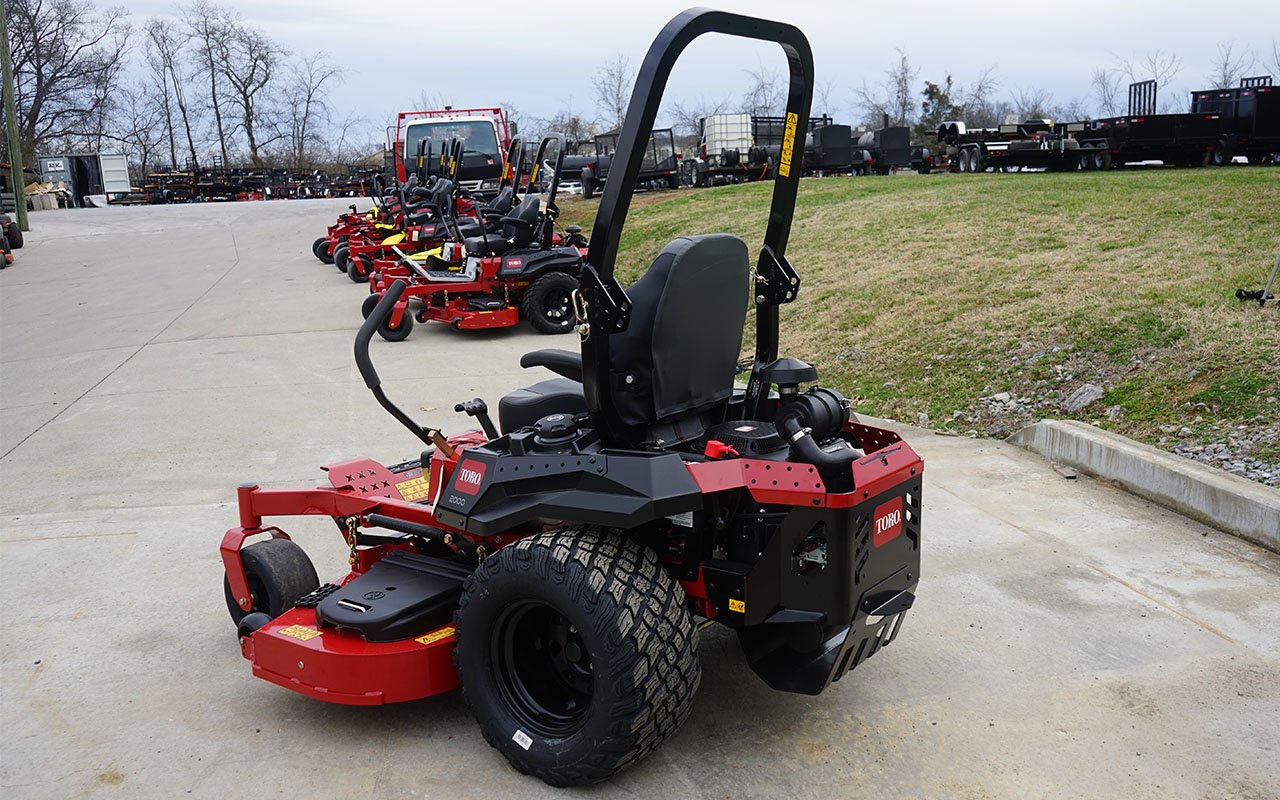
(556, 566)
(426, 223)
(518, 266)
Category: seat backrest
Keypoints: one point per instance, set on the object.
(442, 196)
(522, 235)
(504, 200)
(678, 355)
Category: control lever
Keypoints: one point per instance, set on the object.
(478, 409)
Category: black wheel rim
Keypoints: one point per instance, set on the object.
(556, 305)
(542, 669)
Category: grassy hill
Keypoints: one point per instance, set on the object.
(986, 301)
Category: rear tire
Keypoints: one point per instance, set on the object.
(1221, 156)
(279, 573)
(14, 234)
(548, 303)
(576, 654)
(588, 188)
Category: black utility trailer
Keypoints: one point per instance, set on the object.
(1250, 116)
(659, 169)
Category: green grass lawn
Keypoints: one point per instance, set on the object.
(924, 294)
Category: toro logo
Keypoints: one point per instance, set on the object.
(887, 521)
(515, 263)
(470, 476)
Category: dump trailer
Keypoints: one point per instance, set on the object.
(1250, 120)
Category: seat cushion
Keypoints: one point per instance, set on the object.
(489, 244)
(524, 407)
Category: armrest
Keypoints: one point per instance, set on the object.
(561, 362)
(518, 221)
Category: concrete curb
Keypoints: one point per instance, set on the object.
(1233, 504)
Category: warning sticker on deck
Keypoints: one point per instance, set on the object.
(300, 632)
(737, 605)
(436, 635)
(415, 489)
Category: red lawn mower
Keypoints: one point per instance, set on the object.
(492, 279)
(447, 210)
(557, 566)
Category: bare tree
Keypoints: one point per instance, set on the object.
(1032, 103)
(211, 28)
(138, 126)
(164, 46)
(1273, 66)
(1229, 65)
(1106, 91)
(611, 86)
(249, 65)
(822, 98)
(434, 100)
(67, 59)
(577, 129)
(687, 115)
(1158, 66)
(977, 102)
(765, 95)
(895, 98)
(308, 103)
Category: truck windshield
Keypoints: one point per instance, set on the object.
(478, 136)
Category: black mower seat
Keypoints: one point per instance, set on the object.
(677, 358)
(488, 244)
(469, 227)
(501, 204)
(523, 407)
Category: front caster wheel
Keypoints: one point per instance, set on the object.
(358, 268)
(279, 572)
(320, 249)
(400, 332)
(576, 654)
(368, 304)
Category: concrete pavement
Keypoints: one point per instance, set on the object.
(1070, 640)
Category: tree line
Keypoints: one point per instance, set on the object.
(208, 89)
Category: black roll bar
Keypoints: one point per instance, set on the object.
(607, 306)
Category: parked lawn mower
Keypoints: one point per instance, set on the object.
(423, 226)
(553, 565)
(492, 279)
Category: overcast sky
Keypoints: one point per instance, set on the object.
(395, 51)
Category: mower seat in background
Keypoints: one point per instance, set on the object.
(521, 227)
(502, 204)
(488, 244)
(523, 407)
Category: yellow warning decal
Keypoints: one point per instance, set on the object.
(737, 605)
(436, 635)
(300, 632)
(788, 145)
(415, 489)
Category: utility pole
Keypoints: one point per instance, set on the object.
(11, 124)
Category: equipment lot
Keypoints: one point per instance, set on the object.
(1069, 639)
